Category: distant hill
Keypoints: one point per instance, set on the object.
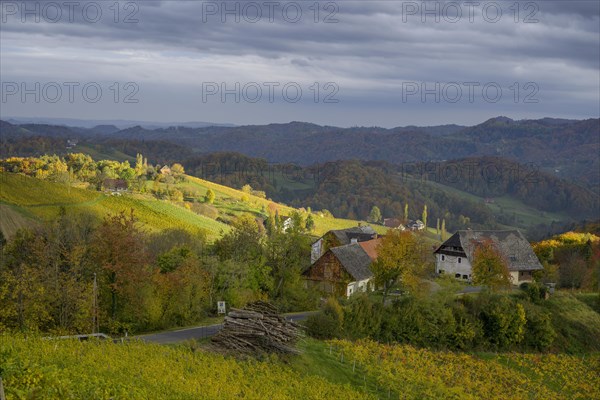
(121, 123)
(565, 148)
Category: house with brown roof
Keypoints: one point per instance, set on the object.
(340, 237)
(455, 255)
(344, 270)
(115, 185)
(394, 223)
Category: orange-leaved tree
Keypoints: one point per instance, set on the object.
(489, 267)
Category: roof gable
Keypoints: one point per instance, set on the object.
(361, 233)
(355, 260)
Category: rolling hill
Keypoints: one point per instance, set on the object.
(25, 201)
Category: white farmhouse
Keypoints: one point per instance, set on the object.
(455, 255)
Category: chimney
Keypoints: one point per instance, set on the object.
(353, 240)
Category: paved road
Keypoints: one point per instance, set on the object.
(200, 332)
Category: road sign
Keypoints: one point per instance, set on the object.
(221, 307)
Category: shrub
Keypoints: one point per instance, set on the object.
(328, 323)
(503, 320)
(540, 333)
(362, 317)
(205, 209)
(468, 330)
(535, 292)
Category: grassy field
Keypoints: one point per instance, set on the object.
(24, 200)
(33, 368)
(577, 324)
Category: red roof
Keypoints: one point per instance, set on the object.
(370, 247)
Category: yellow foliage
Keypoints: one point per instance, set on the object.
(425, 374)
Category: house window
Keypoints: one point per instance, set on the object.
(459, 259)
(465, 276)
(441, 271)
(457, 275)
(513, 258)
(443, 257)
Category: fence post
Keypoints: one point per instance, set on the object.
(2, 390)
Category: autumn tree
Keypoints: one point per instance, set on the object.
(405, 211)
(22, 304)
(287, 255)
(121, 255)
(140, 167)
(375, 215)
(244, 242)
(401, 258)
(489, 267)
(424, 216)
(209, 197)
(310, 223)
(178, 171)
(247, 189)
(182, 287)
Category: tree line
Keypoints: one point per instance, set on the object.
(53, 275)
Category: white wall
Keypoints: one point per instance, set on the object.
(357, 286)
(315, 253)
(517, 277)
(450, 265)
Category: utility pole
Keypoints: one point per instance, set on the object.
(95, 323)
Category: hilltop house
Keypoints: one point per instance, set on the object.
(343, 270)
(417, 225)
(455, 255)
(115, 185)
(393, 223)
(286, 223)
(165, 170)
(340, 237)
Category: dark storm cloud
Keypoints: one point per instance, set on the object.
(371, 50)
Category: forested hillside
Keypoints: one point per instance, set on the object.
(566, 148)
(487, 192)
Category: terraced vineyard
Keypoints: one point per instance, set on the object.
(24, 200)
(49, 369)
(425, 374)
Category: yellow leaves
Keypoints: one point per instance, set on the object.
(36, 368)
(419, 373)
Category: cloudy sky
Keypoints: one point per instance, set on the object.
(344, 63)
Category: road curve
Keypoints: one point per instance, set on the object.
(199, 332)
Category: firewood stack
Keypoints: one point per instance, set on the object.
(257, 328)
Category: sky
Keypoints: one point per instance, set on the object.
(342, 63)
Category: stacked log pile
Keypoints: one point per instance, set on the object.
(257, 328)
